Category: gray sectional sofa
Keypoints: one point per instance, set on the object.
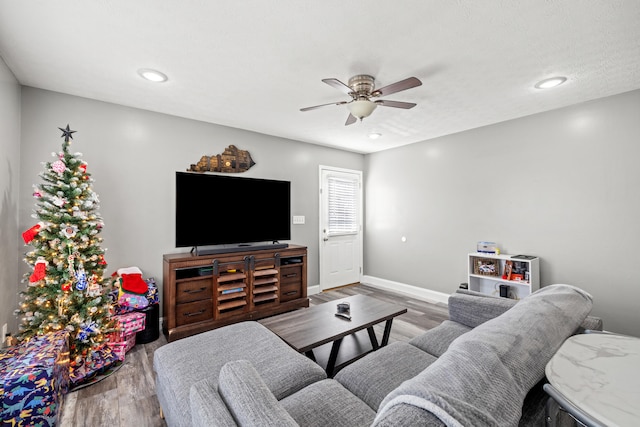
(482, 367)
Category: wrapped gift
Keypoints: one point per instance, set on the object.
(130, 323)
(152, 292)
(35, 378)
(118, 348)
(95, 363)
(120, 344)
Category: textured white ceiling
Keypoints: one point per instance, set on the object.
(252, 64)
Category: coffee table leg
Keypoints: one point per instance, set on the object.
(373, 339)
(310, 355)
(331, 363)
(387, 332)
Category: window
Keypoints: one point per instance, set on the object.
(342, 200)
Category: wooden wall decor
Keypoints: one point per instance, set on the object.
(232, 160)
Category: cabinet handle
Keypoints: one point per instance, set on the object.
(194, 314)
(291, 293)
(194, 291)
(291, 275)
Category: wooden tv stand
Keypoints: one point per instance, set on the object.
(204, 292)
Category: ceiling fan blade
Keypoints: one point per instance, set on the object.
(323, 105)
(397, 87)
(395, 104)
(350, 120)
(338, 85)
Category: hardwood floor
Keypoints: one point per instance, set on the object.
(127, 398)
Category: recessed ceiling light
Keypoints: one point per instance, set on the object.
(551, 82)
(374, 135)
(152, 75)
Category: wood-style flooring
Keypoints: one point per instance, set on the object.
(128, 398)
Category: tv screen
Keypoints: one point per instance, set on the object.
(221, 210)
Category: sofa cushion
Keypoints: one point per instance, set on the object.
(436, 341)
(404, 414)
(250, 401)
(374, 376)
(473, 309)
(497, 363)
(182, 363)
(327, 403)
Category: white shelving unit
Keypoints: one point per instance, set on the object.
(487, 273)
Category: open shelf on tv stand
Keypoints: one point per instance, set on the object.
(242, 247)
(204, 292)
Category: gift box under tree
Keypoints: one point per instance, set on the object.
(130, 323)
(35, 378)
(124, 338)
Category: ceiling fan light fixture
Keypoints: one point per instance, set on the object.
(551, 82)
(361, 108)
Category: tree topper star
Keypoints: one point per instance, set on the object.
(66, 133)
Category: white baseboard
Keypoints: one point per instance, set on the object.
(414, 291)
(389, 285)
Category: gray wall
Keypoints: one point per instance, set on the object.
(9, 181)
(562, 185)
(133, 155)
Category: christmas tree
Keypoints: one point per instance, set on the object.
(65, 287)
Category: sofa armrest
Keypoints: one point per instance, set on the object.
(591, 323)
(473, 308)
(248, 398)
(207, 407)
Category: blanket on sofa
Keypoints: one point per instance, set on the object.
(495, 364)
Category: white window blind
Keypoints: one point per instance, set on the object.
(342, 201)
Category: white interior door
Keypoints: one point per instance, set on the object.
(340, 227)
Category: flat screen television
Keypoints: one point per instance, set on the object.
(214, 210)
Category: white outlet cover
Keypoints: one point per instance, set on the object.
(298, 219)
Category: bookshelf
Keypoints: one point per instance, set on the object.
(521, 273)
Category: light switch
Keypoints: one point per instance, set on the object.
(298, 219)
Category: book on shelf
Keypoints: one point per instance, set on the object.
(527, 257)
(231, 291)
(508, 269)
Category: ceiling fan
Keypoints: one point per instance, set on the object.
(361, 89)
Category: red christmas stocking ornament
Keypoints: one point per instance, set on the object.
(39, 270)
(31, 233)
(134, 283)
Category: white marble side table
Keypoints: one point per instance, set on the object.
(596, 378)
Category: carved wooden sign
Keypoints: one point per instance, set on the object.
(232, 160)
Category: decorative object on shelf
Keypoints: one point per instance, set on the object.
(486, 267)
(232, 160)
(488, 248)
(508, 269)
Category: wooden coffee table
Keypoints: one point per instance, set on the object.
(316, 330)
